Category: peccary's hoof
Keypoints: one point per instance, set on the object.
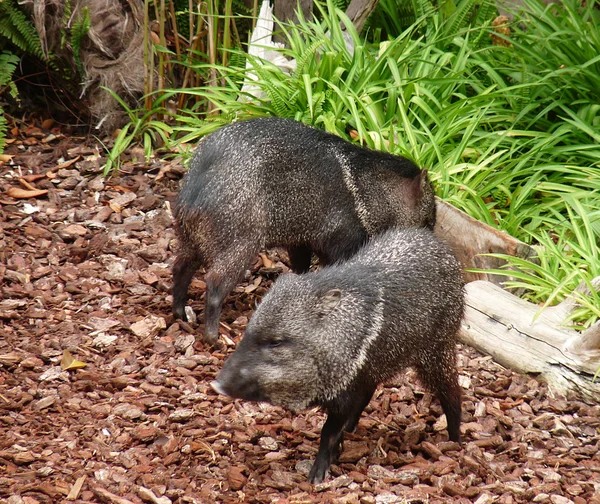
(213, 341)
(317, 472)
(185, 313)
(179, 311)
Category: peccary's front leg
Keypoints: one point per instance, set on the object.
(184, 269)
(365, 395)
(331, 437)
(300, 257)
(344, 415)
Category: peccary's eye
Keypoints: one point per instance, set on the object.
(275, 343)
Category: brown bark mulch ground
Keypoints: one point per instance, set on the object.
(85, 274)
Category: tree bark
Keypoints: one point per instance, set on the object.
(359, 10)
(286, 11)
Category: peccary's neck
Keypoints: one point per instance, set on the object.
(387, 190)
(349, 332)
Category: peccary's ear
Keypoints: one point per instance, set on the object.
(417, 186)
(329, 301)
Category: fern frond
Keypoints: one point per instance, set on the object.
(237, 58)
(182, 17)
(279, 100)
(66, 19)
(8, 65)
(486, 13)
(460, 19)
(79, 30)
(425, 15)
(15, 26)
(307, 55)
(3, 129)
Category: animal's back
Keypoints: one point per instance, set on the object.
(414, 284)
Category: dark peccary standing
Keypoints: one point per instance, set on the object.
(276, 182)
(329, 337)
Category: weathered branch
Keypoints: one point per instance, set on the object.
(469, 238)
(520, 336)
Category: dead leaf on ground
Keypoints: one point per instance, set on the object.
(17, 193)
(68, 362)
(33, 177)
(66, 164)
(267, 263)
(27, 185)
(120, 188)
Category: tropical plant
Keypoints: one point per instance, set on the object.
(79, 29)
(8, 64)
(17, 30)
(17, 35)
(147, 126)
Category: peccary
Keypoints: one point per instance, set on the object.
(329, 337)
(276, 182)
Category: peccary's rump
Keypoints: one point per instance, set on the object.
(330, 337)
(276, 182)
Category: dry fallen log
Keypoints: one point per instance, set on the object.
(521, 336)
(469, 238)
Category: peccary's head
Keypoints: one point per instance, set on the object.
(413, 202)
(397, 194)
(288, 355)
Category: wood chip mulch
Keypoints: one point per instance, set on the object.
(84, 281)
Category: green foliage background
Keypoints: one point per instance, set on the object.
(510, 132)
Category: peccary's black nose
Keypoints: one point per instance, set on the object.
(237, 384)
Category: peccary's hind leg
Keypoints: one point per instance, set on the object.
(184, 269)
(443, 382)
(341, 245)
(450, 397)
(300, 258)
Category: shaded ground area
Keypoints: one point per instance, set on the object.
(86, 269)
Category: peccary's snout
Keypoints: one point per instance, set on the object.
(218, 388)
(237, 381)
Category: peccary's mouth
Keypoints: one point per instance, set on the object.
(244, 390)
